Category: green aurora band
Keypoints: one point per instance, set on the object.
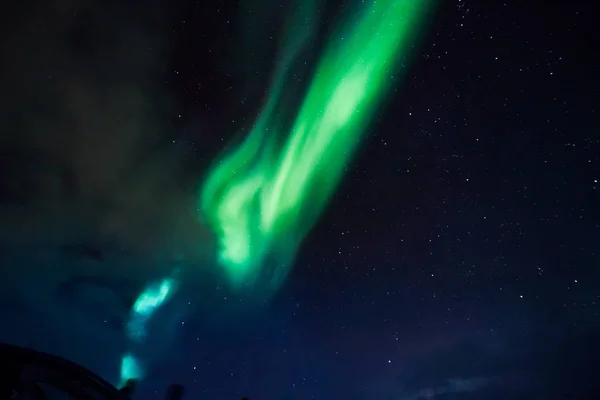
(262, 198)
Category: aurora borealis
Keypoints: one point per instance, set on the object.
(342, 199)
(263, 197)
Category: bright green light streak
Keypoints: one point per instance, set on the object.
(152, 297)
(262, 199)
(146, 304)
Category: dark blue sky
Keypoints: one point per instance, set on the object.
(458, 259)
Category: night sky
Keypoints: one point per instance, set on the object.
(457, 260)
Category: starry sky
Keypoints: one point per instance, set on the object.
(457, 260)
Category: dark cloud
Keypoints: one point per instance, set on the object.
(86, 142)
(91, 180)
